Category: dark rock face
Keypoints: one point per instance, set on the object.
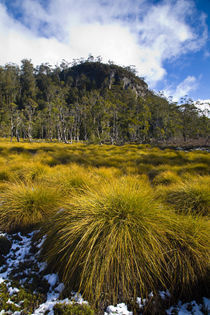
(96, 75)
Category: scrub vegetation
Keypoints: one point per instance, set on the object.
(119, 221)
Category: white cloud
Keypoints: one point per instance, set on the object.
(207, 54)
(127, 32)
(183, 88)
(204, 105)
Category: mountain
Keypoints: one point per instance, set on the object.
(93, 102)
(96, 75)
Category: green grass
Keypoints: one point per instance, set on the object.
(26, 204)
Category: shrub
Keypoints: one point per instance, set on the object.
(26, 204)
(29, 300)
(72, 309)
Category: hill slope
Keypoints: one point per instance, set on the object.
(94, 102)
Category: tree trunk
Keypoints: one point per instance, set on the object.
(11, 129)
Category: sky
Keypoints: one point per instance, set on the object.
(166, 40)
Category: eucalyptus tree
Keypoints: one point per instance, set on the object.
(28, 94)
(9, 94)
(190, 118)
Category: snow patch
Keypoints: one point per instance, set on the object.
(52, 279)
(206, 303)
(120, 309)
(20, 253)
(186, 309)
(13, 290)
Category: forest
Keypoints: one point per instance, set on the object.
(87, 100)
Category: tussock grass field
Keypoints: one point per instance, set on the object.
(119, 221)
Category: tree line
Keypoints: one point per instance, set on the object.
(91, 101)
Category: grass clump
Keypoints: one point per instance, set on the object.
(70, 179)
(28, 171)
(188, 265)
(166, 178)
(189, 196)
(107, 172)
(72, 309)
(4, 175)
(118, 243)
(3, 186)
(26, 204)
(195, 169)
(112, 242)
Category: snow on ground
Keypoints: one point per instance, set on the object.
(187, 308)
(22, 263)
(20, 253)
(119, 309)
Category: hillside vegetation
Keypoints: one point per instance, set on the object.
(94, 102)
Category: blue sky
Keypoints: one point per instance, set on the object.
(167, 40)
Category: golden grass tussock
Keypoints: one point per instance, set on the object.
(166, 178)
(188, 196)
(110, 234)
(118, 242)
(107, 172)
(109, 240)
(70, 179)
(5, 174)
(3, 187)
(195, 169)
(199, 157)
(24, 204)
(28, 171)
(189, 257)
